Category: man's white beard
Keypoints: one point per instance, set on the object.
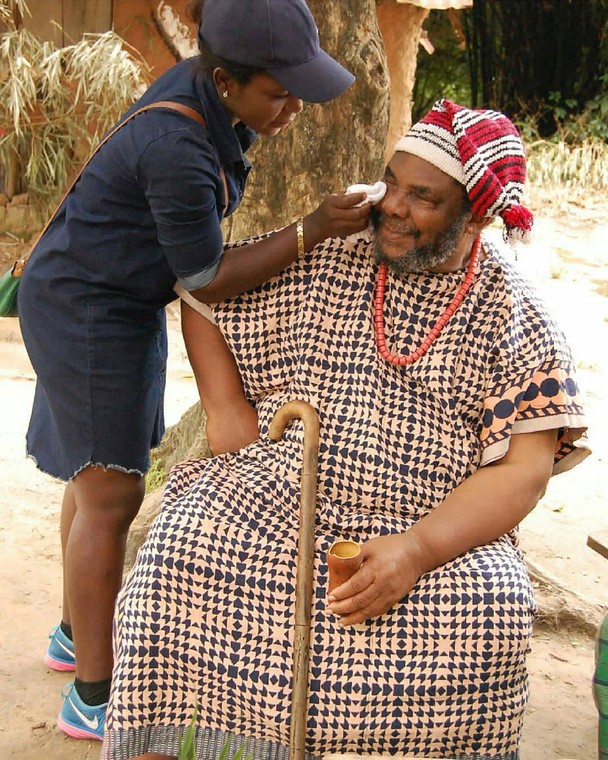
(423, 258)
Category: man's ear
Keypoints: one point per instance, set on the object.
(475, 225)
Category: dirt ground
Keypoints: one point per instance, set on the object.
(569, 261)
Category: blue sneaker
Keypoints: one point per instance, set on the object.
(60, 652)
(79, 720)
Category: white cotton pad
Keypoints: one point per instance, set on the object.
(375, 193)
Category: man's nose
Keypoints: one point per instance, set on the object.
(395, 203)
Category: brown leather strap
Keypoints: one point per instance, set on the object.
(174, 106)
(170, 104)
(187, 111)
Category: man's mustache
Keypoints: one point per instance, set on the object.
(394, 224)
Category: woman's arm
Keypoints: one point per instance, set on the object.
(232, 422)
(485, 506)
(248, 266)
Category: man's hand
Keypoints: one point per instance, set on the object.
(389, 570)
(233, 429)
(483, 507)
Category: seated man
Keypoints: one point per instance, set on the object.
(446, 398)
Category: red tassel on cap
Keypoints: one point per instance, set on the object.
(518, 223)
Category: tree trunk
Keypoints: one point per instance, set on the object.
(401, 25)
(12, 179)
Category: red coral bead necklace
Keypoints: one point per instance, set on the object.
(403, 359)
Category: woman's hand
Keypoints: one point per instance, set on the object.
(232, 429)
(337, 216)
(390, 568)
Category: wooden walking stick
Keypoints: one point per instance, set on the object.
(304, 575)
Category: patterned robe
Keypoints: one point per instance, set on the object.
(207, 614)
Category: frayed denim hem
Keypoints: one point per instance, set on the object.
(119, 468)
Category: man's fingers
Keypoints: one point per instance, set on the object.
(369, 601)
(355, 585)
(359, 603)
(356, 595)
(367, 612)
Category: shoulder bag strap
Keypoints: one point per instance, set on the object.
(170, 104)
(187, 111)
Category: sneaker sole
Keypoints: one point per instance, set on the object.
(75, 732)
(59, 665)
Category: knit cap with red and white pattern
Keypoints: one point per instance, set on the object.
(483, 151)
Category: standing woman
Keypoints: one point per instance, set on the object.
(145, 215)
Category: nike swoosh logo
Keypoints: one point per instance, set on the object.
(92, 724)
(67, 650)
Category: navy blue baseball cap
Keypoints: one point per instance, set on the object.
(279, 36)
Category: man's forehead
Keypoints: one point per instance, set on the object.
(409, 169)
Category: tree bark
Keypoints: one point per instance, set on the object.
(12, 179)
(401, 26)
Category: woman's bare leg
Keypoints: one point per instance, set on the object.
(68, 510)
(106, 503)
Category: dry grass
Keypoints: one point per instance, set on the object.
(56, 102)
(8, 8)
(559, 173)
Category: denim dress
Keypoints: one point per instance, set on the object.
(144, 215)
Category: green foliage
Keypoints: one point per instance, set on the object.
(590, 124)
(238, 755)
(56, 102)
(596, 115)
(187, 747)
(573, 161)
(566, 139)
(444, 73)
(573, 125)
(546, 59)
(156, 475)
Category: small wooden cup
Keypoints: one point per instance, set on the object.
(343, 561)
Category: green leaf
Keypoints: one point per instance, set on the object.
(225, 748)
(187, 748)
(238, 755)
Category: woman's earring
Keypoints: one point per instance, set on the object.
(225, 94)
